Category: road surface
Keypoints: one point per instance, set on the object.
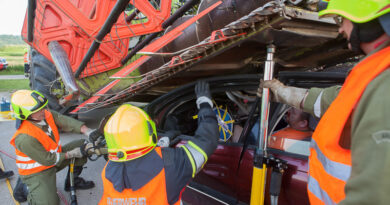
(91, 172)
(12, 77)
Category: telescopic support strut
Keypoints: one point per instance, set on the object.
(259, 163)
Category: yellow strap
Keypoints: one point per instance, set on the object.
(8, 184)
(199, 150)
(191, 160)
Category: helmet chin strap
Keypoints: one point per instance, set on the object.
(365, 33)
(354, 40)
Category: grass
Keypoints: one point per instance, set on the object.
(12, 85)
(14, 56)
(13, 70)
(12, 50)
(13, 60)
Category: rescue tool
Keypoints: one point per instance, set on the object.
(259, 164)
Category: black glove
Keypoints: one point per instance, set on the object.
(93, 135)
(202, 89)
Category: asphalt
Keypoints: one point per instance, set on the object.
(12, 77)
(92, 169)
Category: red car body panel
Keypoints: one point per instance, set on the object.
(226, 174)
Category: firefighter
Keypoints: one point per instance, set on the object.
(39, 153)
(26, 59)
(349, 161)
(138, 171)
(297, 130)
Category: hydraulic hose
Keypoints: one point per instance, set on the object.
(106, 28)
(73, 196)
(180, 12)
(30, 20)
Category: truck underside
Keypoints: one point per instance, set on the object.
(210, 38)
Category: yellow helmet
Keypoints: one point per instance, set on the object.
(26, 102)
(129, 133)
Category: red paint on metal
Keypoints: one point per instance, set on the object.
(153, 47)
(76, 23)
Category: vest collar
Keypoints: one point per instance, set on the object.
(134, 174)
(380, 47)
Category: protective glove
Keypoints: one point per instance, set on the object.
(92, 134)
(74, 153)
(163, 142)
(87, 149)
(292, 96)
(202, 91)
(80, 152)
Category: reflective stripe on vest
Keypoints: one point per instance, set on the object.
(336, 169)
(26, 58)
(25, 164)
(329, 163)
(154, 192)
(28, 166)
(314, 187)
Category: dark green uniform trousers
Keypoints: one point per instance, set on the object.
(42, 186)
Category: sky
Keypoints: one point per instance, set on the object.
(12, 14)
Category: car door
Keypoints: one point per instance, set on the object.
(227, 176)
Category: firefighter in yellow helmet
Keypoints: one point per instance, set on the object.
(138, 171)
(350, 159)
(39, 153)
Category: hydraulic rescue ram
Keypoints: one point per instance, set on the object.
(259, 165)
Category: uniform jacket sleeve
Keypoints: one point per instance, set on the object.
(370, 146)
(319, 99)
(182, 163)
(34, 149)
(66, 123)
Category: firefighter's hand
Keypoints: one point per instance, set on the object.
(202, 91)
(74, 153)
(281, 93)
(163, 142)
(92, 134)
(88, 149)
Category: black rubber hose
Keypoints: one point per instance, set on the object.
(180, 12)
(139, 46)
(111, 19)
(250, 122)
(247, 127)
(30, 20)
(132, 16)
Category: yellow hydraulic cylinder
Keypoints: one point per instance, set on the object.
(258, 182)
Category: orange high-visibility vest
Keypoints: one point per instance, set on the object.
(153, 193)
(329, 163)
(26, 60)
(277, 139)
(25, 164)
